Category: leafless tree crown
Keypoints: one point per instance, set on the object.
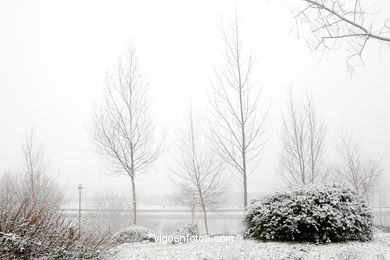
(122, 126)
(333, 22)
(357, 169)
(303, 136)
(123, 129)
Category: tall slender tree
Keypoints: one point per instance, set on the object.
(303, 138)
(199, 170)
(38, 189)
(123, 129)
(356, 169)
(237, 126)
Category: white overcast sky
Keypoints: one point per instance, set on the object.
(54, 56)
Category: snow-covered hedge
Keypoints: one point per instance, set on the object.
(133, 234)
(328, 213)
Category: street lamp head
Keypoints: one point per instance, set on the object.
(80, 187)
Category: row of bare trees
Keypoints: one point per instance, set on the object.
(235, 129)
(124, 133)
(303, 157)
(329, 25)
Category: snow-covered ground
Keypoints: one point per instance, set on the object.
(248, 249)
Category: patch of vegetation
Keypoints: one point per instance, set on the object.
(320, 214)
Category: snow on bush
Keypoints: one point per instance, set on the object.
(329, 213)
(188, 229)
(32, 227)
(16, 247)
(185, 232)
(133, 234)
(44, 234)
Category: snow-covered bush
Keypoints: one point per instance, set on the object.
(16, 247)
(328, 213)
(188, 229)
(133, 234)
(185, 233)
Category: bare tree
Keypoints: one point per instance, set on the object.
(198, 169)
(36, 187)
(332, 22)
(237, 125)
(357, 169)
(29, 202)
(185, 195)
(34, 166)
(302, 157)
(123, 130)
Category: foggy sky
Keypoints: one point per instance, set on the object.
(54, 56)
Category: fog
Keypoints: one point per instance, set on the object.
(128, 124)
(54, 57)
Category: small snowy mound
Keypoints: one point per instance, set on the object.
(329, 213)
(133, 234)
(189, 229)
(185, 232)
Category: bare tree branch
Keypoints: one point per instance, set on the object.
(333, 22)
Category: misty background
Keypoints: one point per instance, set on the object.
(54, 57)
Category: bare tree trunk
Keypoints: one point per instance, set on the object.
(245, 191)
(133, 190)
(242, 121)
(202, 203)
(192, 215)
(192, 209)
(205, 217)
(134, 199)
(244, 173)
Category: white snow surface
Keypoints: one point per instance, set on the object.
(379, 248)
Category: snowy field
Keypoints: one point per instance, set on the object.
(248, 249)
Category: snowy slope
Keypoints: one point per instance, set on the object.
(248, 249)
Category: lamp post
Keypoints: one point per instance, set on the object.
(80, 188)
